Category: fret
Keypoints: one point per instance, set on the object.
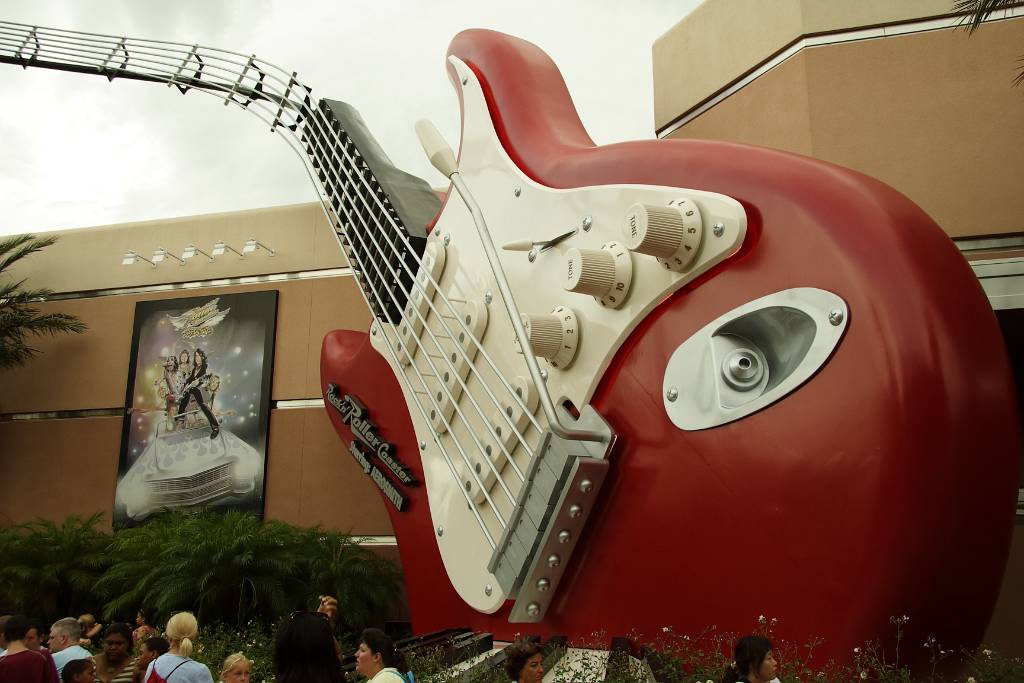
(31, 36)
(119, 46)
(284, 98)
(231, 95)
(181, 67)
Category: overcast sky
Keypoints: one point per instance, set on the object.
(78, 151)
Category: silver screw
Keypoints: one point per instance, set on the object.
(447, 240)
(544, 374)
(835, 316)
(488, 590)
(672, 394)
(575, 511)
(488, 297)
(518, 191)
(531, 256)
(465, 80)
(440, 531)
(543, 585)
(586, 486)
(533, 609)
(564, 536)
(373, 330)
(423, 445)
(718, 229)
(587, 223)
(554, 561)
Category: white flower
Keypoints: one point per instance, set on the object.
(987, 652)
(856, 650)
(761, 619)
(970, 679)
(863, 674)
(665, 629)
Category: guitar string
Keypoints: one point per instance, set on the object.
(318, 119)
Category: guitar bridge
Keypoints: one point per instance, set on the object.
(552, 508)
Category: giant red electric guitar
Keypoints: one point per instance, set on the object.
(660, 383)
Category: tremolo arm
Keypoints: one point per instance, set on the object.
(568, 467)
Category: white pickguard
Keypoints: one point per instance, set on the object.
(515, 207)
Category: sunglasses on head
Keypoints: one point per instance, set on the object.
(306, 611)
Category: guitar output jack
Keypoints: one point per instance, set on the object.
(742, 369)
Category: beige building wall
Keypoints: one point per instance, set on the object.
(66, 462)
(922, 111)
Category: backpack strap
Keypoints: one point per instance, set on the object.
(171, 673)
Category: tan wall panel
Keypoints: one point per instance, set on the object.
(1007, 625)
(932, 114)
(773, 111)
(723, 39)
(337, 305)
(91, 370)
(55, 468)
(336, 493)
(926, 113)
(90, 258)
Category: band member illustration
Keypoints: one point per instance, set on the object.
(167, 389)
(197, 376)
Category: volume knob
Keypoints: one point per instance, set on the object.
(553, 337)
(672, 233)
(604, 273)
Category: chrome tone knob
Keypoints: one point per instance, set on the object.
(543, 585)
(575, 511)
(533, 609)
(672, 234)
(586, 486)
(554, 561)
(553, 337)
(564, 536)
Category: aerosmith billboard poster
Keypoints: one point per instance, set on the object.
(197, 405)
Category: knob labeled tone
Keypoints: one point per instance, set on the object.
(603, 273)
(671, 233)
(553, 337)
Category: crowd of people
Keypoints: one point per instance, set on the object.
(305, 651)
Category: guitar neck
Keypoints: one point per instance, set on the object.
(368, 202)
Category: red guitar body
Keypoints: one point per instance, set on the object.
(883, 486)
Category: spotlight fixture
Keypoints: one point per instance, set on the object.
(191, 250)
(130, 257)
(161, 254)
(220, 247)
(252, 245)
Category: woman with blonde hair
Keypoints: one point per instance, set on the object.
(236, 669)
(175, 666)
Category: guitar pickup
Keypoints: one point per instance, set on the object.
(417, 307)
(502, 439)
(453, 370)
